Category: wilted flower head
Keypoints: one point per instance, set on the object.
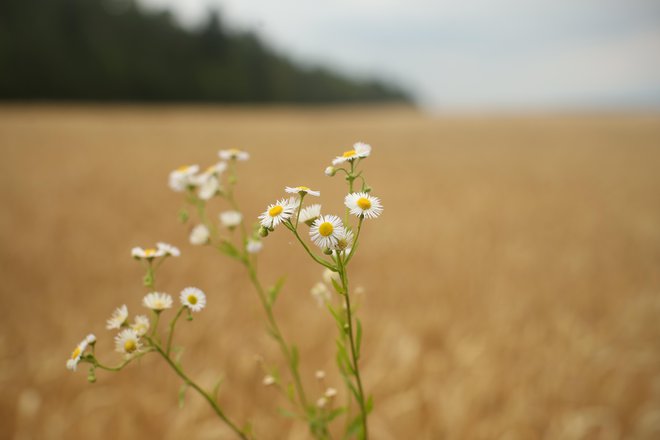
(168, 249)
(118, 318)
(233, 154)
(301, 190)
(310, 213)
(360, 150)
(183, 177)
(157, 301)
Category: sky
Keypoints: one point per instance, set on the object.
(470, 55)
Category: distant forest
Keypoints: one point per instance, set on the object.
(113, 50)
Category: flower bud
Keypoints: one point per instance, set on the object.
(263, 232)
(327, 251)
(91, 376)
(330, 171)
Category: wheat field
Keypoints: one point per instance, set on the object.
(511, 287)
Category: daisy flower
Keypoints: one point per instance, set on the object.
(253, 246)
(118, 318)
(326, 230)
(344, 241)
(302, 190)
(193, 298)
(168, 249)
(208, 188)
(310, 213)
(231, 219)
(157, 301)
(183, 177)
(277, 213)
(141, 325)
(72, 362)
(363, 205)
(199, 235)
(233, 154)
(360, 150)
(149, 253)
(214, 170)
(127, 341)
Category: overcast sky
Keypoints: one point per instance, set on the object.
(470, 55)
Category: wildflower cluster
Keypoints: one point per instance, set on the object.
(335, 237)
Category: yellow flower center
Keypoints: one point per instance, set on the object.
(183, 168)
(364, 203)
(275, 211)
(130, 346)
(326, 229)
(75, 353)
(349, 153)
(192, 299)
(149, 252)
(302, 188)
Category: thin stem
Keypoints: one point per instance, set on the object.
(95, 362)
(355, 242)
(154, 325)
(317, 259)
(203, 393)
(277, 334)
(299, 209)
(171, 334)
(354, 357)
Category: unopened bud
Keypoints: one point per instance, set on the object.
(268, 380)
(330, 171)
(91, 376)
(263, 232)
(327, 251)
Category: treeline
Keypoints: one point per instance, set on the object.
(113, 50)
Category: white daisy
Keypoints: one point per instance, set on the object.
(277, 213)
(253, 246)
(363, 205)
(141, 325)
(360, 150)
(193, 298)
(326, 230)
(127, 341)
(310, 213)
(118, 318)
(233, 154)
(168, 249)
(199, 235)
(183, 177)
(213, 170)
(208, 188)
(157, 301)
(344, 241)
(149, 253)
(302, 190)
(321, 293)
(231, 219)
(72, 362)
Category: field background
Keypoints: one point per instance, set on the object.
(511, 287)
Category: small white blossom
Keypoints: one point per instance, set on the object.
(277, 213)
(326, 230)
(199, 235)
(231, 219)
(183, 177)
(157, 301)
(363, 205)
(310, 213)
(254, 246)
(127, 341)
(193, 298)
(268, 380)
(73, 361)
(360, 150)
(321, 293)
(233, 154)
(141, 325)
(301, 190)
(168, 249)
(118, 318)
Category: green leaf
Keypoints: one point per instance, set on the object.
(335, 413)
(216, 388)
(337, 286)
(274, 291)
(354, 427)
(369, 406)
(182, 394)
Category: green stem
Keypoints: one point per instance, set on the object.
(355, 242)
(277, 334)
(171, 334)
(299, 209)
(97, 364)
(203, 393)
(311, 254)
(354, 357)
(154, 325)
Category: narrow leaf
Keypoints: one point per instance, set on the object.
(182, 394)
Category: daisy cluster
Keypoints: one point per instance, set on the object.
(327, 231)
